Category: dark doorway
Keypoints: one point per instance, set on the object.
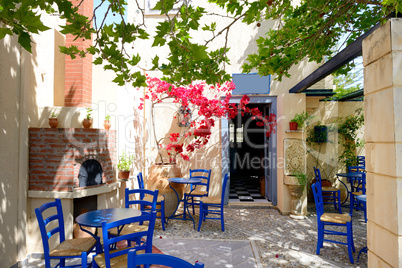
(90, 173)
(248, 151)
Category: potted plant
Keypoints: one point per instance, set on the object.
(107, 123)
(299, 120)
(53, 122)
(87, 122)
(124, 165)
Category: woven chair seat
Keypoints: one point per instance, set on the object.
(117, 262)
(196, 192)
(211, 200)
(129, 229)
(73, 247)
(329, 189)
(357, 193)
(149, 198)
(336, 218)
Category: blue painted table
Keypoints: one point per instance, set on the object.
(351, 177)
(96, 217)
(186, 215)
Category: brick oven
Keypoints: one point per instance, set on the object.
(76, 165)
(64, 159)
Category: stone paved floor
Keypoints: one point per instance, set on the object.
(279, 240)
(256, 237)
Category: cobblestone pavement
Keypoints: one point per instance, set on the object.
(280, 241)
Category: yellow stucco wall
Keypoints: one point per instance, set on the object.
(382, 59)
(13, 178)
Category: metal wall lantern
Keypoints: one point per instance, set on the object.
(184, 117)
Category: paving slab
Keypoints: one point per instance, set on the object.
(213, 253)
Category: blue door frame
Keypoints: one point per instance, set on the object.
(271, 173)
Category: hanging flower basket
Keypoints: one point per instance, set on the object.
(320, 133)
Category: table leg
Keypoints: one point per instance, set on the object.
(351, 204)
(97, 238)
(188, 212)
(363, 250)
(173, 216)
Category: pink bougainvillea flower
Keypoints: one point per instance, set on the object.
(185, 157)
(208, 103)
(174, 137)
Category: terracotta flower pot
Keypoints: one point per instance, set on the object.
(107, 124)
(87, 123)
(124, 175)
(53, 122)
(293, 125)
(158, 176)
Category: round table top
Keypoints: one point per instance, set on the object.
(96, 217)
(350, 175)
(185, 180)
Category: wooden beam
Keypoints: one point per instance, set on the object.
(343, 57)
(318, 92)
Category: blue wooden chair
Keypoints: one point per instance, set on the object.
(331, 195)
(358, 189)
(160, 202)
(146, 202)
(213, 206)
(331, 219)
(67, 248)
(118, 258)
(134, 260)
(356, 182)
(200, 189)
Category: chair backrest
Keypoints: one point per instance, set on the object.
(55, 218)
(203, 174)
(360, 178)
(224, 185)
(363, 182)
(159, 259)
(319, 203)
(317, 174)
(353, 169)
(141, 201)
(140, 180)
(361, 160)
(144, 236)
